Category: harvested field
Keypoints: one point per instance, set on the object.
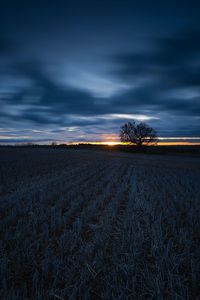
(81, 224)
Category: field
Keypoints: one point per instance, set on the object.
(82, 224)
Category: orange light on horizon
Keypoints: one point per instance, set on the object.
(111, 143)
(114, 143)
(178, 144)
(112, 139)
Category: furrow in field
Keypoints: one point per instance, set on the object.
(91, 214)
(90, 251)
(21, 173)
(23, 207)
(41, 182)
(89, 191)
(57, 234)
(50, 192)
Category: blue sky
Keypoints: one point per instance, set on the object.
(77, 71)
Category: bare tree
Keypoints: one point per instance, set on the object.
(138, 134)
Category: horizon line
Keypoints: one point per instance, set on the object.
(100, 143)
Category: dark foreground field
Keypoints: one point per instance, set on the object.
(80, 224)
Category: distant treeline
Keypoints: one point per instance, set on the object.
(176, 149)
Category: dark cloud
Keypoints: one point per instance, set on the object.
(175, 59)
(173, 66)
(6, 47)
(49, 93)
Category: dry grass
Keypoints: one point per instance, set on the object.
(98, 225)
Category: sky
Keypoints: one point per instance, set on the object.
(78, 70)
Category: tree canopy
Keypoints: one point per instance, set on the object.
(138, 134)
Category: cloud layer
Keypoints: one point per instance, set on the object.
(82, 82)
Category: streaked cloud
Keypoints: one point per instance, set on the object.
(97, 86)
(67, 76)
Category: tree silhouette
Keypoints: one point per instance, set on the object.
(138, 134)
